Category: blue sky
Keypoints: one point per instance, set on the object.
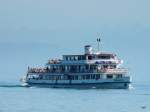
(31, 31)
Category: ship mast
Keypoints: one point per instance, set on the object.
(98, 43)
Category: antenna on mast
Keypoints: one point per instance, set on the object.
(98, 41)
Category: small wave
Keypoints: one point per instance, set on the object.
(11, 86)
(145, 94)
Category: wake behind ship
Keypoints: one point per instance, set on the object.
(88, 70)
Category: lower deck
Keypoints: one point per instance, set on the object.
(73, 76)
(84, 80)
(104, 85)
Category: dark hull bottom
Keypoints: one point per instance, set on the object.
(84, 86)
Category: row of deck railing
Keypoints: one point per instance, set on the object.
(118, 70)
(106, 70)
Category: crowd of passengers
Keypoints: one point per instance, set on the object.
(54, 70)
(54, 61)
(47, 70)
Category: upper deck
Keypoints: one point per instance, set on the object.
(100, 58)
(89, 57)
(95, 58)
(89, 62)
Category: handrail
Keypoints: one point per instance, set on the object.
(117, 70)
(103, 70)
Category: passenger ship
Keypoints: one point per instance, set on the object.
(88, 70)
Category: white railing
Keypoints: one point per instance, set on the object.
(36, 70)
(117, 70)
(102, 70)
(54, 61)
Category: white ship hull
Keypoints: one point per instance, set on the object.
(122, 83)
(112, 85)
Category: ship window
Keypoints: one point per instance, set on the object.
(69, 77)
(51, 77)
(89, 57)
(83, 57)
(98, 76)
(59, 77)
(119, 76)
(75, 77)
(79, 57)
(87, 76)
(103, 57)
(69, 58)
(65, 77)
(79, 77)
(72, 77)
(87, 67)
(83, 77)
(109, 76)
(66, 58)
(47, 77)
(93, 76)
(94, 56)
(113, 66)
(105, 66)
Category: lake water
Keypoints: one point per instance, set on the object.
(14, 98)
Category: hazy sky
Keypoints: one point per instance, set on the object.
(42, 20)
(33, 30)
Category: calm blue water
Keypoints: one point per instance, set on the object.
(14, 98)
